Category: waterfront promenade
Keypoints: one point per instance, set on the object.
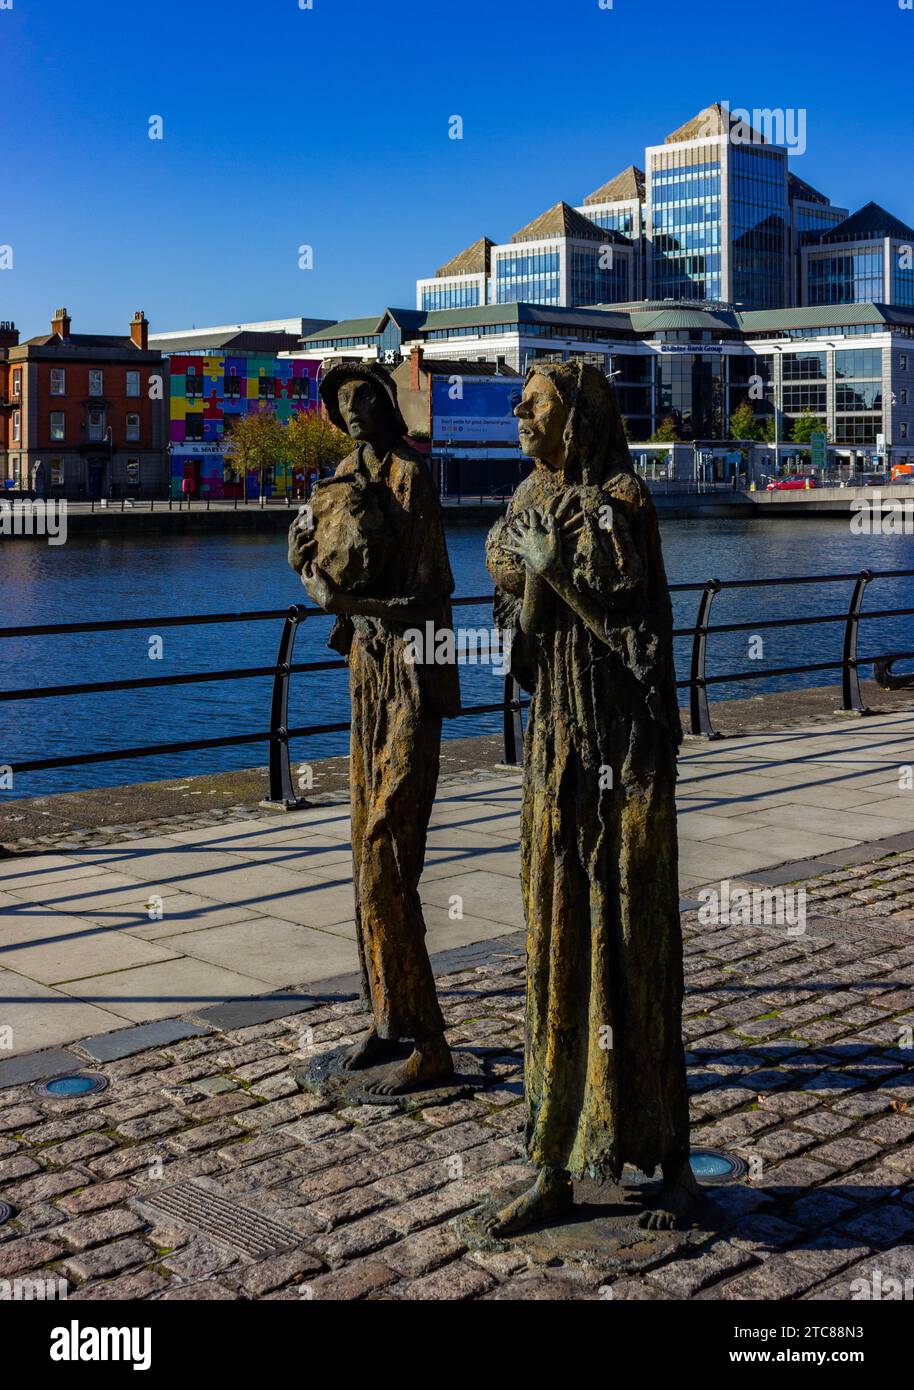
(175, 922)
(201, 1172)
(196, 970)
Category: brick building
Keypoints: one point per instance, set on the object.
(83, 415)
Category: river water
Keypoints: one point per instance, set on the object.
(99, 579)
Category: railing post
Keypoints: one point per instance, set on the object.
(851, 695)
(700, 713)
(282, 790)
(514, 725)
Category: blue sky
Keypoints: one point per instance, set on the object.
(329, 127)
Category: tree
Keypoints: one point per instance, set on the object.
(806, 425)
(766, 428)
(255, 445)
(743, 424)
(666, 433)
(313, 443)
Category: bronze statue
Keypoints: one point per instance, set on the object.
(397, 708)
(581, 587)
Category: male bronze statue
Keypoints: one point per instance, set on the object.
(581, 587)
(397, 577)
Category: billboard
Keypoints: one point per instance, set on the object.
(475, 409)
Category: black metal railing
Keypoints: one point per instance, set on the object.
(698, 681)
(278, 736)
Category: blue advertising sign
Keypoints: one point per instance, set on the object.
(475, 409)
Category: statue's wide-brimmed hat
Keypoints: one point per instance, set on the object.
(336, 377)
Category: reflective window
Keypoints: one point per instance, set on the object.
(686, 219)
(450, 297)
(529, 277)
(855, 277)
(758, 236)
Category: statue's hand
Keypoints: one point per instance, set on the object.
(566, 509)
(302, 542)
(534, 537)
(321, 591)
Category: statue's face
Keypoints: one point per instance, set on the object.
(365, 409)
(543, 415)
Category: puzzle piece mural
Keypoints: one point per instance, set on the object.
(206, 389)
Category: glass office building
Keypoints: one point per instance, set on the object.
(758, 226)
(529, 277)
(690, 392)
(718, 224)
(867, 259)
(852, 277)
(460, 295)
(685, 222)
(715, 215)
(852, 366)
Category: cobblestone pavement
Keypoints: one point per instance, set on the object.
(801, 1060)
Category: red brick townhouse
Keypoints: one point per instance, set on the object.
(83, 414)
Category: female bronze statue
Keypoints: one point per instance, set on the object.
(581, 587)
(397, 709)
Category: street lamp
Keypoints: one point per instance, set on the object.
(892, 400)
(109, 436)
(774, 385)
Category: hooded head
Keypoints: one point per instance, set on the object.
(385, 389)
(594, 436)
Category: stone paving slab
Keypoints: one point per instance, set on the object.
(141, 929)
(800, 1050)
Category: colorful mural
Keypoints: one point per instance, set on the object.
(208, 392)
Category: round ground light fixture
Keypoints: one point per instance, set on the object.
(6, 1212)
(713, 1167)
(73, 1086)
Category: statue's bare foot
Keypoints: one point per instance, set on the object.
(367, 1052)
(678, 1199)
(430, 1061)
(551, 1195)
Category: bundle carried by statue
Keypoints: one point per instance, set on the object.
(351, 542)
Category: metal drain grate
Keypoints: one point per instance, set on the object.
(246, 1231)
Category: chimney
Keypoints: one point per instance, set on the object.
(9, 334)
(415, 361)
(139, 330)
(60, 323)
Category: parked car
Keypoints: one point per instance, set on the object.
(790, 484)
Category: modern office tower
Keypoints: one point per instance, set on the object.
(561, 257)
(460, 284)
(619, 207)
(867, 258)
(717, 214)
(811, 215)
